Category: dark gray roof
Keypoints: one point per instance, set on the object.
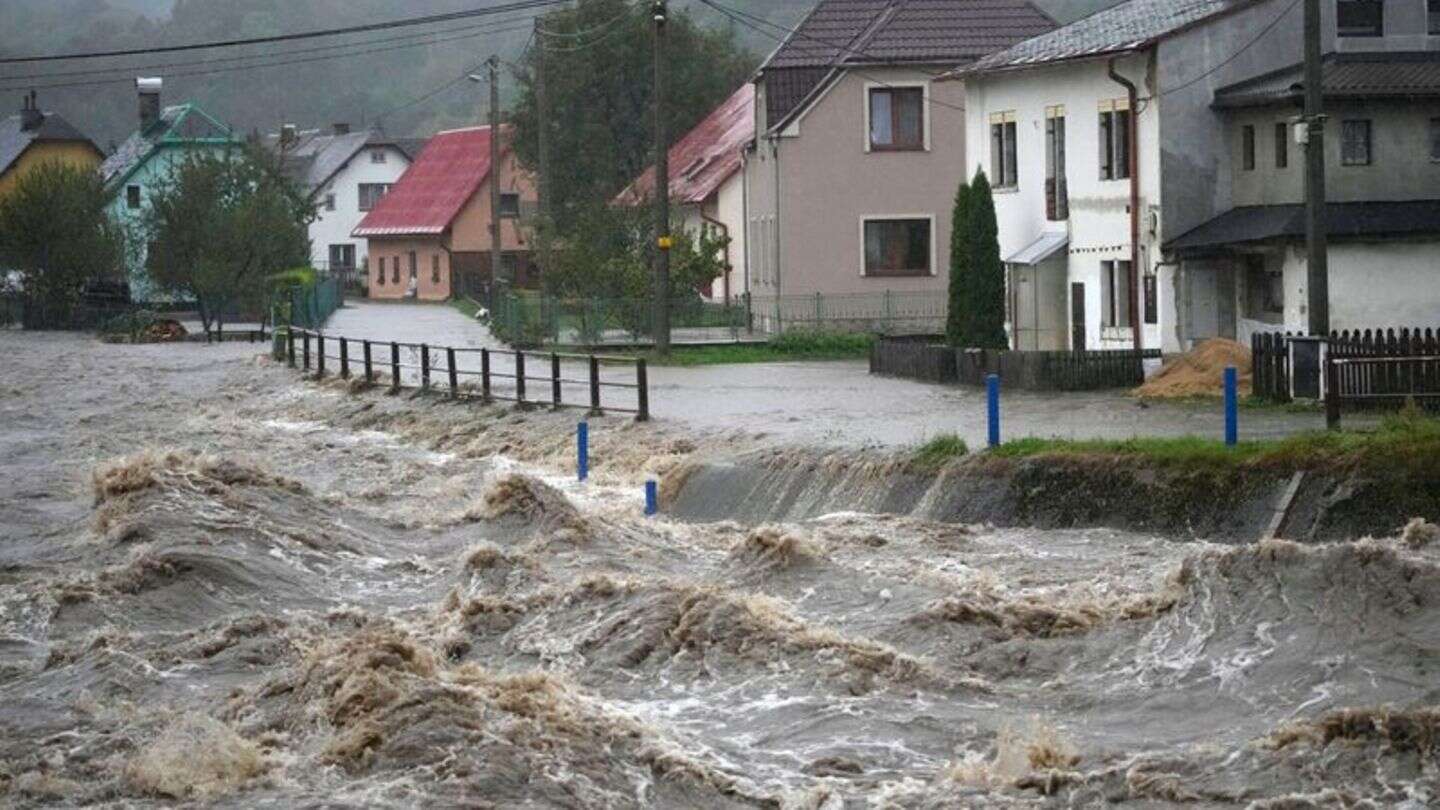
(1348, 75)
(317, 155)
(15, 139)
(1126, 27)
(839, 33)
(178, 124)
(1352, 220)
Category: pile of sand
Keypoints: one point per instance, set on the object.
(1199, 373)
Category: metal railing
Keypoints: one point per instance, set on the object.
(489, 375)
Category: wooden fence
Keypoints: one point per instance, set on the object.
(1379, 368)
(566, 380)
(928, 360)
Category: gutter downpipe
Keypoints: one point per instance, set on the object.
(1136, 321)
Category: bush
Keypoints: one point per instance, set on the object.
(937, 452)
(803, 342)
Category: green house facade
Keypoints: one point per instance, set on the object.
(148, 159)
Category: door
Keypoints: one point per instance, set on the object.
(1077, 316)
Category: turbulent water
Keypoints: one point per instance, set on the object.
(221, 585)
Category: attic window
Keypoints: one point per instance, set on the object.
(132, 197)
(695, 167)
(377, 155)
(510, 205)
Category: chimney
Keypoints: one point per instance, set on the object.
(149, 90)
(342, 129)
(288, 135)
(30, 116)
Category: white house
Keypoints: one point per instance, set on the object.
(344, 173)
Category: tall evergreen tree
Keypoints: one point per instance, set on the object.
(956, 322)
(987, 273)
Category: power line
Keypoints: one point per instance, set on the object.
(318, 49)
(519, 5)
(268, 64)
(1236, 55)
(426, 97)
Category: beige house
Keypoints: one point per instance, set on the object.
(850, 183)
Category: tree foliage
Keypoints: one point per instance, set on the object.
(957, 325)
(599, 60)
(987, 273)
(221, 226)
(56, 232)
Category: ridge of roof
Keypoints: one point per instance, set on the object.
(432, 192)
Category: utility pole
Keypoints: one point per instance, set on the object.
(1317, 260)
(495, 241)
(663, 241)
(543, 110)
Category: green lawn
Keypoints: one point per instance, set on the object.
(788, 347)
(467, 307)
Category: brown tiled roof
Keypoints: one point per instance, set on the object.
(839, 33)
(1349, 75)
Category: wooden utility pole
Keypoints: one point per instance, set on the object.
(663, 241)
(1317, 260)
(543, 110)
(496, 245)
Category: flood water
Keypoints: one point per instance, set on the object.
(222, 586)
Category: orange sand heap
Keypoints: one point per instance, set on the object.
(1199, 373)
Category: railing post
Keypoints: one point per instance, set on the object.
(1332, 394)
(307, 348)
(1232, 405)
(992, 403)
(394, 367)
(319, 356)
(519, 377)
(290, 346)
(555, 392)
(642, 391)
(485, 375)
(454, 375)
(369, 364)
(424, 367)
(594, 384)
(344, 359)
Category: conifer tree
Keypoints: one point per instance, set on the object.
(956, 326)
(986, 286)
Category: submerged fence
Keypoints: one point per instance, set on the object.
(1374, 369)
(599, 384)
(930, 360)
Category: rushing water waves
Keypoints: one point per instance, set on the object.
(224, 587)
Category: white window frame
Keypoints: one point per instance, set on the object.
(934, 238)
(903, 85)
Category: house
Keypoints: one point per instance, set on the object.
(344, 174)
(167, 137)
(1149, 182)
(707, 186)
(851, 181)
(35, 137)
(429, 237)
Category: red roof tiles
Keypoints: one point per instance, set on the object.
(446, 174)
(707, 156)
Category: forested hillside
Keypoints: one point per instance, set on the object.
(408, 81)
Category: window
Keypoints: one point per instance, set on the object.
(132, 197)
(1057, 193)
(370, 194)
(1282, 145)
(897, 247)
(1004, 168)
(395, 271)
(1434, 9)
(1264, 289)
(897, 119)
(1360, 18)
(1114, 141)
(509, 205)
(380, 279)
(1355, 143)
(377, 155)
(342, 257)
(329, 202)
(1114, 293)
(435, 268)
(414, 266)
(1152, 298)
(1247, 147)
(1435, 139)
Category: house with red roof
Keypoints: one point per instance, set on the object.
(707, 186)
(429, 237)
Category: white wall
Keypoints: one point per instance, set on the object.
(334, 227)
(1373, 285)
(1099, 223)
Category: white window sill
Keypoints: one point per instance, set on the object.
(1005, 190)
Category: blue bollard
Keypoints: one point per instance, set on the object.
(1232, 407)
(582, 448)
(992, 399)
(652, 498)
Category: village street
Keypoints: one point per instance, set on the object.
(838, 403)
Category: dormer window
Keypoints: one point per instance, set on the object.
(1360, 18)
(897, 119)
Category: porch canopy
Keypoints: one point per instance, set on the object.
(1047, 245)
(1354, 220)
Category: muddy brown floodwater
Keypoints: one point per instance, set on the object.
(222, 586)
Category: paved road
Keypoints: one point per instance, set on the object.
(839, 403)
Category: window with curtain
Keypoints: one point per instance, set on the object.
(897, 118)
(1355, 143)
(1114, 144)
(1004, 168)
(1114, 293)
(897, 247)
(1057, 194)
